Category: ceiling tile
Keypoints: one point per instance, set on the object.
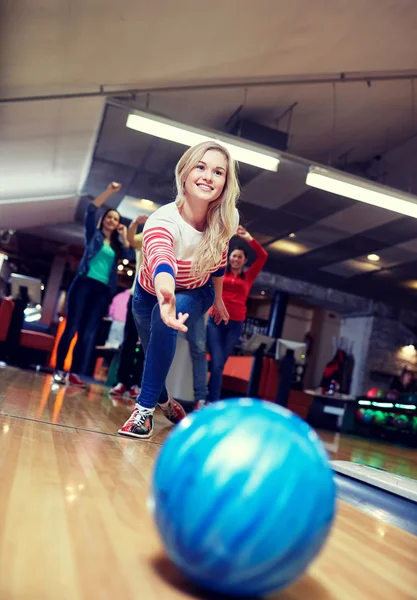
(359, 218)
(392, 256)
(289, 247)
(350, 268)
(273, 190)
(410, 246)
(320, 234)
(316, 205)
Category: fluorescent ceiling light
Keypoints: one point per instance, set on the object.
(363, 191)
(188, 136)
(40, 199)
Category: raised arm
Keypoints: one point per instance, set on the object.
(253, 271)
(90, 223)
(111, 189)
(136, 239)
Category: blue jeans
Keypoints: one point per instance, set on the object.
(159, 341)
(87, 302)
(196, 337)
(221, 339)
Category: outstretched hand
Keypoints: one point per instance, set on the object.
(166, 300)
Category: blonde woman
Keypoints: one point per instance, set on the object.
(185, 246)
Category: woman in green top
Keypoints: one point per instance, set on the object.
(91, 289)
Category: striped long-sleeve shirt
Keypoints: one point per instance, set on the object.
(170, 245)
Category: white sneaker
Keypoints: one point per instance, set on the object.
(60, 377)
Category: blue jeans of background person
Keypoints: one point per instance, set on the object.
(159, 340)
(196, 337)
(87, 303)
(131, 357)
(221, 339)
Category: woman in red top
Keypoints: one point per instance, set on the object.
(222, 337)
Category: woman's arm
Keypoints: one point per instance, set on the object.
(158, 251)
(219, 309)
(165, 292)
(253, 271)
(90, 215)
(122, 231)
(111, 189)
(134, 239)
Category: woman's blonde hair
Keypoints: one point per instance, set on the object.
(221, 215)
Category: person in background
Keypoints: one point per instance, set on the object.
(117, 313)
(197, 341)
(403, 384)
(130, 369)
(90, 291)
(185, 246)
(238, 281)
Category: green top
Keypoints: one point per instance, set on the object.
(101, 264)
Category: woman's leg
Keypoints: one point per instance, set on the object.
(216, 335)
(76, 301)
(159, 342)
(233, 331)
(160, 346)
(196, 337)
(97, 301)
(223, 338)
(125, 373)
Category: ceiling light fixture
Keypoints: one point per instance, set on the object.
(292, 235)
(373, 257)
(251, 154)
(362, 190)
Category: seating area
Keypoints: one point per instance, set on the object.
(30, 341)
(236, 377)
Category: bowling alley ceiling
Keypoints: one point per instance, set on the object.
(54, 152)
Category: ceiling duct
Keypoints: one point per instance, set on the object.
(253, 132)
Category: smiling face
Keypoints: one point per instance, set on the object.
(111, 220)
(207, 178)
(237, 260)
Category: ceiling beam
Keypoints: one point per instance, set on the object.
(347, 77)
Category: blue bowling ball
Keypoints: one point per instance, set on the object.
(243, 497)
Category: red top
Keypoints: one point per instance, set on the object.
(236, 290)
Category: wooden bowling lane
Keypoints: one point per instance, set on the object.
(31, 395)
(74, 525)
(390, 457)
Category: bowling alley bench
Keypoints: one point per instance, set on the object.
(34, 346)
(237, 376)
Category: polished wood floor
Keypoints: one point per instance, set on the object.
(74, 522)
